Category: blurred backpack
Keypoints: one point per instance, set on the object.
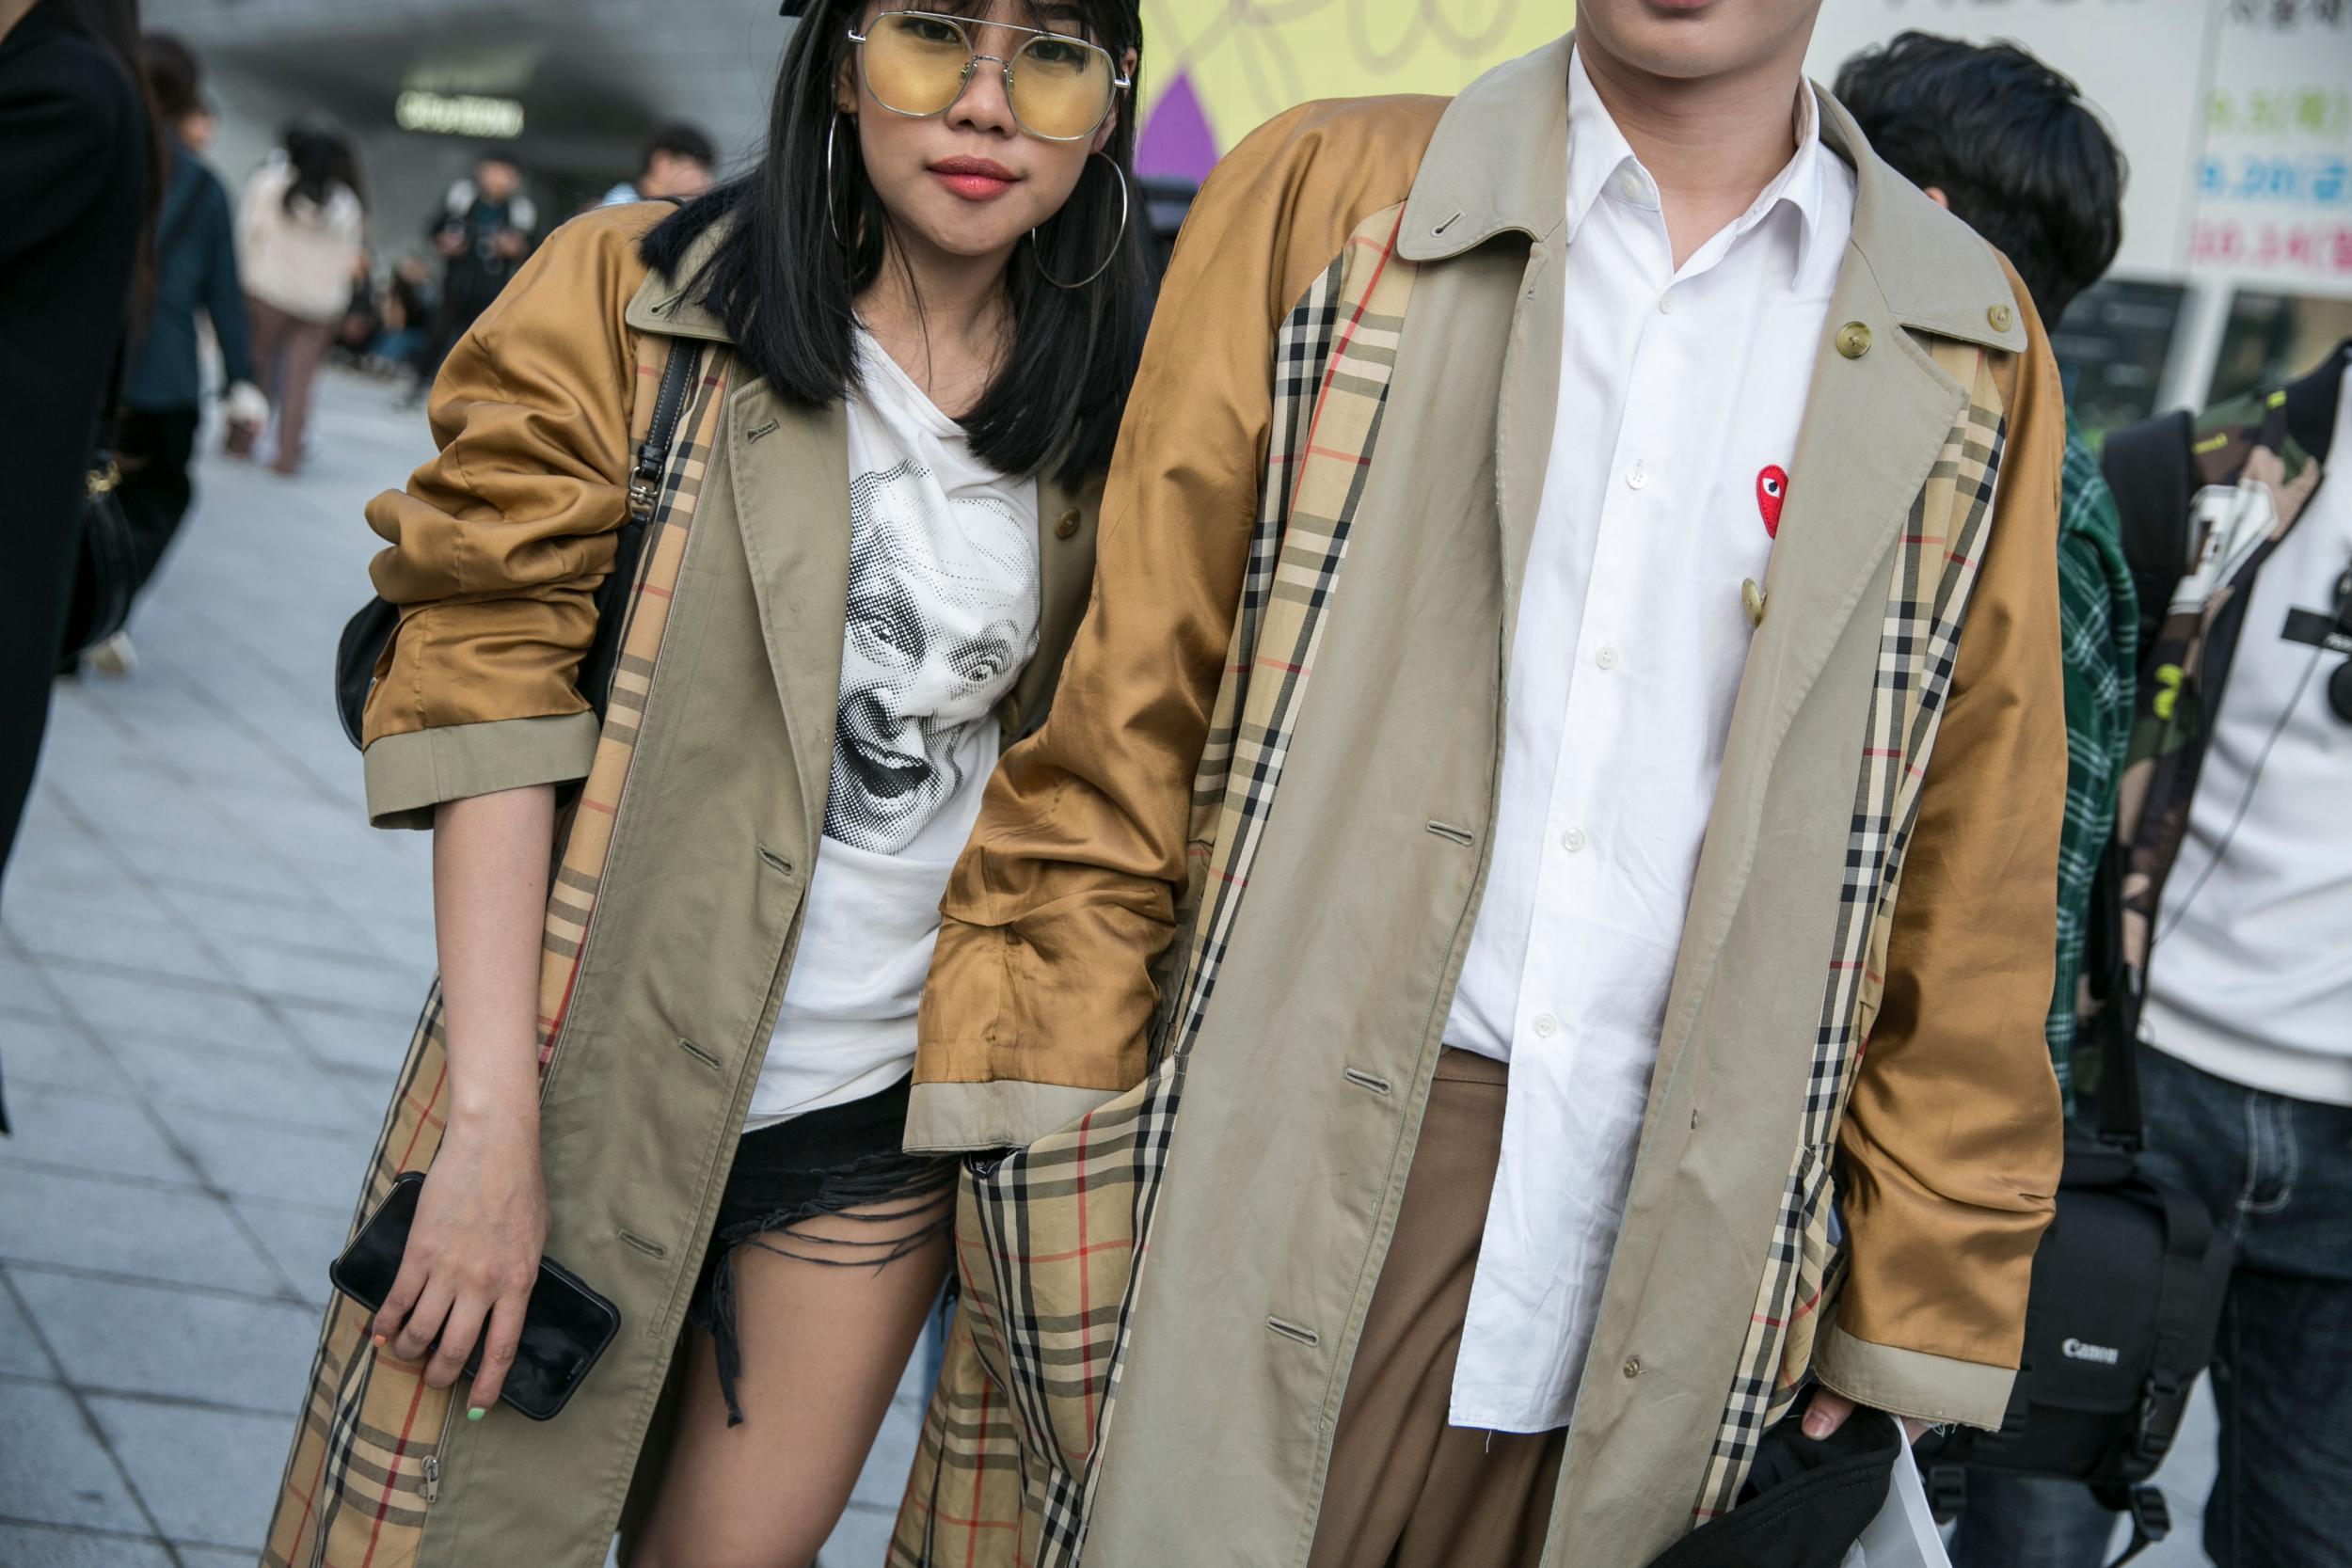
(2129, 1279)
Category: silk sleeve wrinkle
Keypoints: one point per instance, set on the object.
(1066, 896)
(499, 542)
(1951, 1141)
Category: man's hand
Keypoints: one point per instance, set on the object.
(1829, 1412)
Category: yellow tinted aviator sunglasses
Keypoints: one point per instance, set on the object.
(918, 63)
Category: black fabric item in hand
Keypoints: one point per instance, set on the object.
(1806, 1501)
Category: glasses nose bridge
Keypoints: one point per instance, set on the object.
(972, 69)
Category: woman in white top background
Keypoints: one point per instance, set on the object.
(301, 226)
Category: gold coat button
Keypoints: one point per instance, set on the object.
(1633, 1365)
(1068, 526)
(1853, 340)
(1999, 317)
(1752, 600)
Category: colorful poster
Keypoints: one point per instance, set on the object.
(1218, 71)
(2273, 197)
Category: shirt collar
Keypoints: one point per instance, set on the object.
(1598, 153)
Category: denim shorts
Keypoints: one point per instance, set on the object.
(843, 1160)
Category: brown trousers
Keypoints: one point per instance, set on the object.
(302, 344)
(1406, 1490)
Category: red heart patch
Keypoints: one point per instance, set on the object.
(1772, 489)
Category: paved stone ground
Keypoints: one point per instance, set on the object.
(209, 967)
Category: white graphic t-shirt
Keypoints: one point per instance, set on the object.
(943, 617)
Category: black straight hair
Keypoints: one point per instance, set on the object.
(801, 237)
(2017, 153)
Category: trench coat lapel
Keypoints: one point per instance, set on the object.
(1875, 424)
(789, 468)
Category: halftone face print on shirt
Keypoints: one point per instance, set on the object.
(942, 617)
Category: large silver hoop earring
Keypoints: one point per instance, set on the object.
(833, 202)
(1036, 249)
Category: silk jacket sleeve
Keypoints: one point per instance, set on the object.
(1952, 1140)
(498, 543)
(1041, 989)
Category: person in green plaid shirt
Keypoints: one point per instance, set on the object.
(2008, 145)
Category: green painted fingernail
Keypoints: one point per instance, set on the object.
(475, 1413)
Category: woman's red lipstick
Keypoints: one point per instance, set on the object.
(975, 179)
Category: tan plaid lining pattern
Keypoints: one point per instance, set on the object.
(365, 1459)
(1051, 1241)
(1935, 570)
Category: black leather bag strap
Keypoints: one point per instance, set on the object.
(2147, 467)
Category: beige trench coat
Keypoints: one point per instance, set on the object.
(495, 551)
(1879, 869)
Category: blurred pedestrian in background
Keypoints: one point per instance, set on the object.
(80, 175)
(678, 164)
(484, 229)
(299, 235)
(163, 395)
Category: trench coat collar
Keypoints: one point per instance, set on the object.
(664, 306)
(1936, 275)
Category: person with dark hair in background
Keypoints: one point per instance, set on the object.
(676, 165)
(80, 165)
(484, 229)
(900, 348)
(300, 233)
(196, 270)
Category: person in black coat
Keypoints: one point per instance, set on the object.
(77, 186)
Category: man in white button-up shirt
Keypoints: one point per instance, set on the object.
(1573, 672)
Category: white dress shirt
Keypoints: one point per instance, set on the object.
(1681, 395)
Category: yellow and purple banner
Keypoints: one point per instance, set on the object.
(1221, 68)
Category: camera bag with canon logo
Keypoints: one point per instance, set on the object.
(2127, 1292)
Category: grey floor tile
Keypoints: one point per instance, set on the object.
(122, 1338)
(22, 990)
(863, 1536)
(20, 1353)
(151, 1232)
(262, 1087)
(117, 1002)
(32, 1547)
(50, 1050)
(211, 1557)
(270, 1160)
(212, 868)
(303, 1240)
(149, 938)
(205, 1475)
(107, 1133)
(52, 1468)
(329, 983)
(375, 1040)
(231, 920)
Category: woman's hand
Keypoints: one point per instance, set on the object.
(473, 1256)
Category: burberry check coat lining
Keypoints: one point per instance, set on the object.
(678, 875)
(1222, 895)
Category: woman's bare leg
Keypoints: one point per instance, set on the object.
(823, 1347)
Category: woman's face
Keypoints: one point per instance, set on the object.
(970, 182)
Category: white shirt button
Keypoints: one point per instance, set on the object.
(1637, 476)
(1606, 659)
(1573, 840)
(1547, 1025)
(1631, 185)
(1666, 304)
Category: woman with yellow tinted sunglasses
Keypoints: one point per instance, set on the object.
(679, 1066)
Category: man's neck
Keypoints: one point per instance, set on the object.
(1711, 144)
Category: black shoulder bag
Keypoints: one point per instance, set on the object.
(106, 567)
(369, 632)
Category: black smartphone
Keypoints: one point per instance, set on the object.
(566, 1327)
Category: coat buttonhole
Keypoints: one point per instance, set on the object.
(1365, 1080)
(699, 1054)
(651, 1249)
(1289, 1330)
(1453, 834)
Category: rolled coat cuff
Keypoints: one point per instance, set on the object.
(966, 1118)
(410, 774)
(1925, 1387)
